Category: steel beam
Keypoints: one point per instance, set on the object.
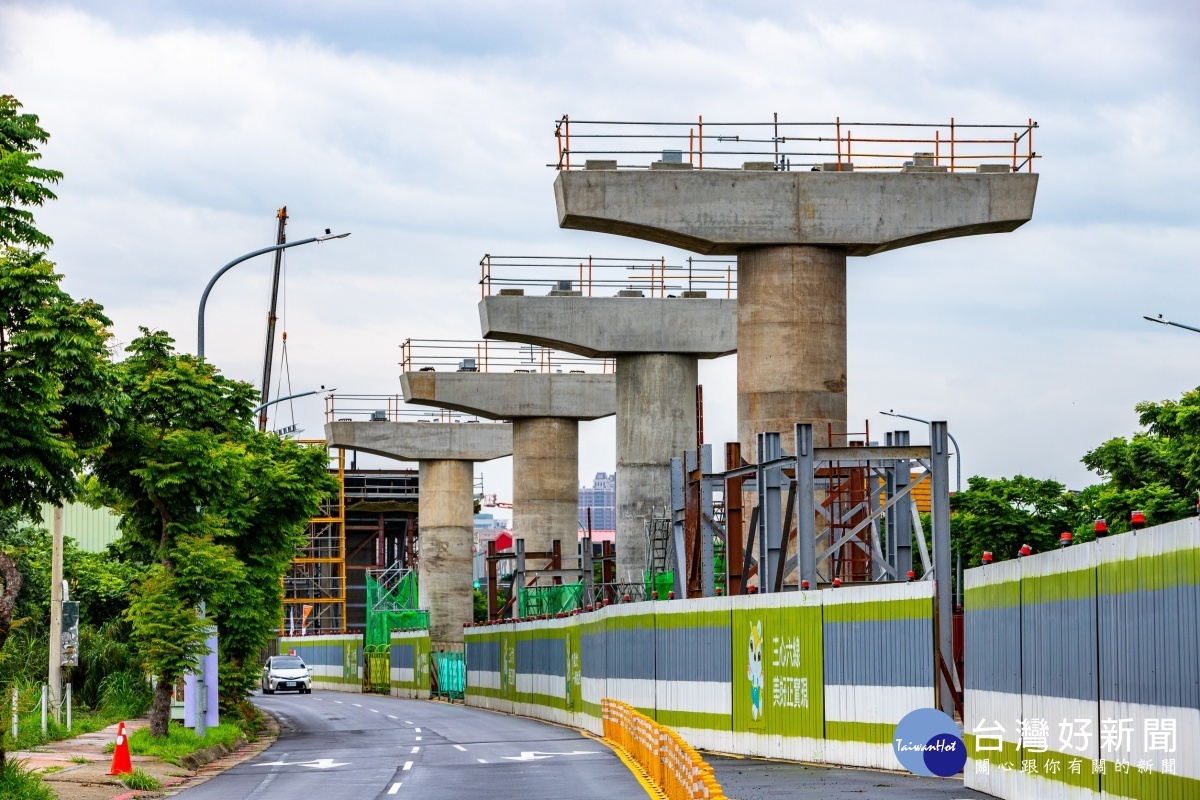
(770, 522)
(940, 468)
(806, 505)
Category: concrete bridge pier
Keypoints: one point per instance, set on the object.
(446, 454)
(792, 232)
(656, 342)
(545, 481)
(545, 409)
(792, 339)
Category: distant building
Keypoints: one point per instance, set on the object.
(601, 498)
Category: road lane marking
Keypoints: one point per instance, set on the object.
(395, 788)
(415, 749)
(418, 738)
(418, 730)
(407, 722)
(407, 766)
(374, 710)
(392, 716)
(460, 747)
(339, 702)
(357, 705)
(481, 760)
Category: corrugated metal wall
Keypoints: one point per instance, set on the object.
(743, 674)
(409, 654)
(1097, 649)
(93, 529)
(336, 660)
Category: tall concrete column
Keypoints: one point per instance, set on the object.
(656, 420)
(447, 527)
(446, 453)
(791, 341)
(546, 482)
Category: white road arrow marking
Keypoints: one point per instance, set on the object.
(536, 755)
(319, 763)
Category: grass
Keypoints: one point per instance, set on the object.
(78, 760)
(18, 783)
(51, 769)
(140, 781)
(181, 741)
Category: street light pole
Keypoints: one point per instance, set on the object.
(1159, 319)
(957, 452)
(234, 263)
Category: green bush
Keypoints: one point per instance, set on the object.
(18, 783)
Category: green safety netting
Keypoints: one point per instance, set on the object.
(450, 674)
(664, 582)
(394, 609)
(538, 600)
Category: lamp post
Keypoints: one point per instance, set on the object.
(957, 452)
(1159, 319)
(240, 259)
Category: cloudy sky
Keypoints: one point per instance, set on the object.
(424, 128)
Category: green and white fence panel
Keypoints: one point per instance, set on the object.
(777, 675)
(486, 683)
(1149, 651)
(409, 657)
(630, 631)
(693, 690)
(336, 660)
(545, 688)
(1108, 685)
(593, 659)
(992, 681)
(878, 667)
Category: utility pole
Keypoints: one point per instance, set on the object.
(280, 238)
(56, 610)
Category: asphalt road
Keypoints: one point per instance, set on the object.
(337, 746)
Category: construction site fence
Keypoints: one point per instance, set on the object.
(1082, 669)
(392, 607)
(775, 145)
(669, 762)
(336, 660)
(820, 676)
(449, 674)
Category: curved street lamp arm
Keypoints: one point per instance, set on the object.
(957, 452)
(234, 263)
(289, 397)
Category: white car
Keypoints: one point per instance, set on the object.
(286, 673)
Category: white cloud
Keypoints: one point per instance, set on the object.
(425, 130)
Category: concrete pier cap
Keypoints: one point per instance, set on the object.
(445, 452)
(792, 233)
(656, 342)
(545, 409)
(720, 212)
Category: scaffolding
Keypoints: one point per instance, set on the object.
(314, 588)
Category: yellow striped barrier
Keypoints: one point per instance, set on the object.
(671, 764)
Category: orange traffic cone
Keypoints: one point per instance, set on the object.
(121, 762)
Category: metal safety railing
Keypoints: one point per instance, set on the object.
(671, 764)
(466, 355)
(385, 408)
(782, 145)
(590, 276)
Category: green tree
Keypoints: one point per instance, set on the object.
(1001, 514)
(56, 397)
(22, 183)
(1156, 471)
(218, 506)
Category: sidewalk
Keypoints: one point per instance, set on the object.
(79, 766)
(760, 779)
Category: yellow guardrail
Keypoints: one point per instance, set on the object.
(670, 763)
